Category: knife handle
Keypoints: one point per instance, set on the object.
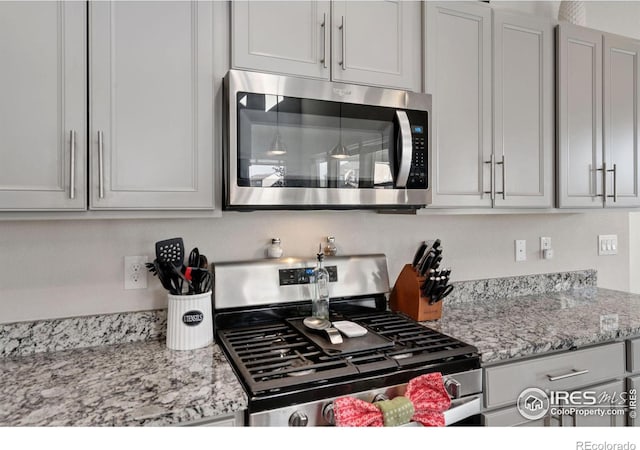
(428, 286)
(426, 265)
(446, 291)
(419, 253)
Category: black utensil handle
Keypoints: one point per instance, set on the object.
(418, 255)
(447, 290)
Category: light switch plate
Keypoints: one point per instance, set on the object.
(521, 250)
(545, 243)
(607, 244)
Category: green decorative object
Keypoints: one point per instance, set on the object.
(397, 411)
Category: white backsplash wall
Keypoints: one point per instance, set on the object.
(53, 269)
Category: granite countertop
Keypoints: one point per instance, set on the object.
(140, 383)
(508, 328)
(125, 375)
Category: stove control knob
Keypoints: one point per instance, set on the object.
(328, 414)
(380, 398)
(298, 419)
(453, 387)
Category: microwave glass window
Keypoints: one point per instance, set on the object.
(293, 142)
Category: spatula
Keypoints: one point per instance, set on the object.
(172, 251)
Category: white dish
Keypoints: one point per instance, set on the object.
(350, 329)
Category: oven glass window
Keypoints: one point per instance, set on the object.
(294, 142)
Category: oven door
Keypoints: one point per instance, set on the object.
(299, 144)
(462, 412)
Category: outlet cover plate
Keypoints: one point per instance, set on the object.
(521, 250)
(545, 243)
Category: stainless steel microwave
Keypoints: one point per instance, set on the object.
(296, 143)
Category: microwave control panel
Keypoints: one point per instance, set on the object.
(304, 275)
(418, 173)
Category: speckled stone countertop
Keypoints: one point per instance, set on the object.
(140, 383)
(508, 328)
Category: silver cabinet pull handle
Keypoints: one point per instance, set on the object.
(492, 190)
(573, 373)
(323, 25)
(72, 164)
(100, 164)
(342, 28)
(604, 181)
(504, 179)
(615, 183)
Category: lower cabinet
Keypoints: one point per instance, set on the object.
(511, 417)
(228, 420)
(585, 387)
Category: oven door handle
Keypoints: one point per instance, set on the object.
(404, 150)
(459, 410)
(462, 409)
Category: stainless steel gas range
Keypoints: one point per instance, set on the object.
(292, 375)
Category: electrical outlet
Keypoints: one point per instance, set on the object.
(607, 244)
(521, 250)
(135, 272)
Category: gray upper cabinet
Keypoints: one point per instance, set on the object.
(491, 75)
(598, 92)
(523, 114)
(369, 42)
(458, 75)
(43, 113)
(621, 62)
(282, 37)
(376, 43)
(579, 117)
(151, 105)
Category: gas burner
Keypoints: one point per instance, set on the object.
(302, 362)
(282, 352)
(402, 356)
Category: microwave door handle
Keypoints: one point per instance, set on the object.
(404, 150)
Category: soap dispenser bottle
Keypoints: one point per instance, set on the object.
(320, 300)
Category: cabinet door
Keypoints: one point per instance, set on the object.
(283, 37)
(376, 43)
(579, 117)
(43, 101)
(523, 115)
(511, 417)
(617, 415)
(151, 105)
(458, 75)
(621, 120)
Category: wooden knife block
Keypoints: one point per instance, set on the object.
(407, 298)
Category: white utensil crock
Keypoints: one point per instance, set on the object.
(189, 321)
